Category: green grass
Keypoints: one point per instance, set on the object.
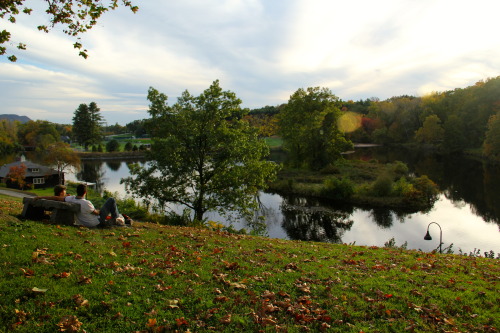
(154, 278)
(274, 142)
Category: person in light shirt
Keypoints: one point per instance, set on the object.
(88, 215)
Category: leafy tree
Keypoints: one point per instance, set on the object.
(39, 134)
(87, 124)
(454, 138)
(62, 157)
(491, 146)
(137, 127)
(17, 176)
(112, 145)
(203, 156)
(8, 136)
(431, 131)
(308, 125)
(75, 16)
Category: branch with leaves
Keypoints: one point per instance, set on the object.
(76, 17)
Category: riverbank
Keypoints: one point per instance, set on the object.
(362, 183)
(163, 278)
(112, 156)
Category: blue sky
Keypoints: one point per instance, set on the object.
(263, 50)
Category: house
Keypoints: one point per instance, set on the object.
(36, 175)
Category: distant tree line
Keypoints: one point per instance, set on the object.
(449, 121)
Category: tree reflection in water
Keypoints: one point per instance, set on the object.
(92, 172)
(114, 165)
(308, 219)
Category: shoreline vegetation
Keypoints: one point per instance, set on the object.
(157, 278)
(362, 183)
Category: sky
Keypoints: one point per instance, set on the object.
(262, 50)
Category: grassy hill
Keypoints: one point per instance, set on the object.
(153, 278)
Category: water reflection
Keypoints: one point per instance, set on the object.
(308, 219)
(92, 172)
(462, 180)
(114, 165)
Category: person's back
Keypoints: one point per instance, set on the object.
(86, 216)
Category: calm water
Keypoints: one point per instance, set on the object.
(468, 210)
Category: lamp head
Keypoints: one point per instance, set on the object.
(428, 236)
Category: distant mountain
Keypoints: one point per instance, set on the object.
(22, 119)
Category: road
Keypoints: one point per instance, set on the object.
(14, 193)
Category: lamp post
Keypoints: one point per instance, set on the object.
(428, 235)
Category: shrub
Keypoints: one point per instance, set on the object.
(128, 146)
(427, 187)
(112, 145)
(339, 189)
(400, 168)
(382, 186)
(402, 187)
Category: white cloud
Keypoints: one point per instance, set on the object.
(261, 50)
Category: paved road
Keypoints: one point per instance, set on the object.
(14, 193)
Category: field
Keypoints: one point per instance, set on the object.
(154, 278)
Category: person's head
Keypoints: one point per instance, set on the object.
(60, 190)
(81, 189)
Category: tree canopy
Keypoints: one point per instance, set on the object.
(75, 16)
(309, 127)
(203, 156)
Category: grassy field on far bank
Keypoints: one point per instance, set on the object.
(153, 278)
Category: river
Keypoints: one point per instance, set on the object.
(468, 209)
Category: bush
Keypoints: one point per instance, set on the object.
(112, 145)
(427, 187)
(339, 189)
(400, 168)
(382, 186)
(402, 187)
(128, 146)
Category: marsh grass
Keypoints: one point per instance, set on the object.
(154, 278)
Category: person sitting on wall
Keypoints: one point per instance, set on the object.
(88, 215)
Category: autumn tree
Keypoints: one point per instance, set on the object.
(431, 131)
(87, 129)
(62, 157)
(38, 134)
(309, 126)
(203, 156)
(17, 176)
(75, 17)
(8, 136)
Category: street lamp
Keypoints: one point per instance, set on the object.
(428, 235)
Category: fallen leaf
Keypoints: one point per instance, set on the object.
(38, 290)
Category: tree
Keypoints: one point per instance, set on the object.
(454, 139)
(62, 157)
(308, 125)
(203, 156)
(112, 145)
(431, 131)
(491, 146)
(38, 134)
(87, 125)
(17, 176)
(76, 17)
(128, 146)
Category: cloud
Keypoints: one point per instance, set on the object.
(261, 50)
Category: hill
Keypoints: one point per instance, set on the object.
(154, 278)
(13, 117)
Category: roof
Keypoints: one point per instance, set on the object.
(43, 170)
